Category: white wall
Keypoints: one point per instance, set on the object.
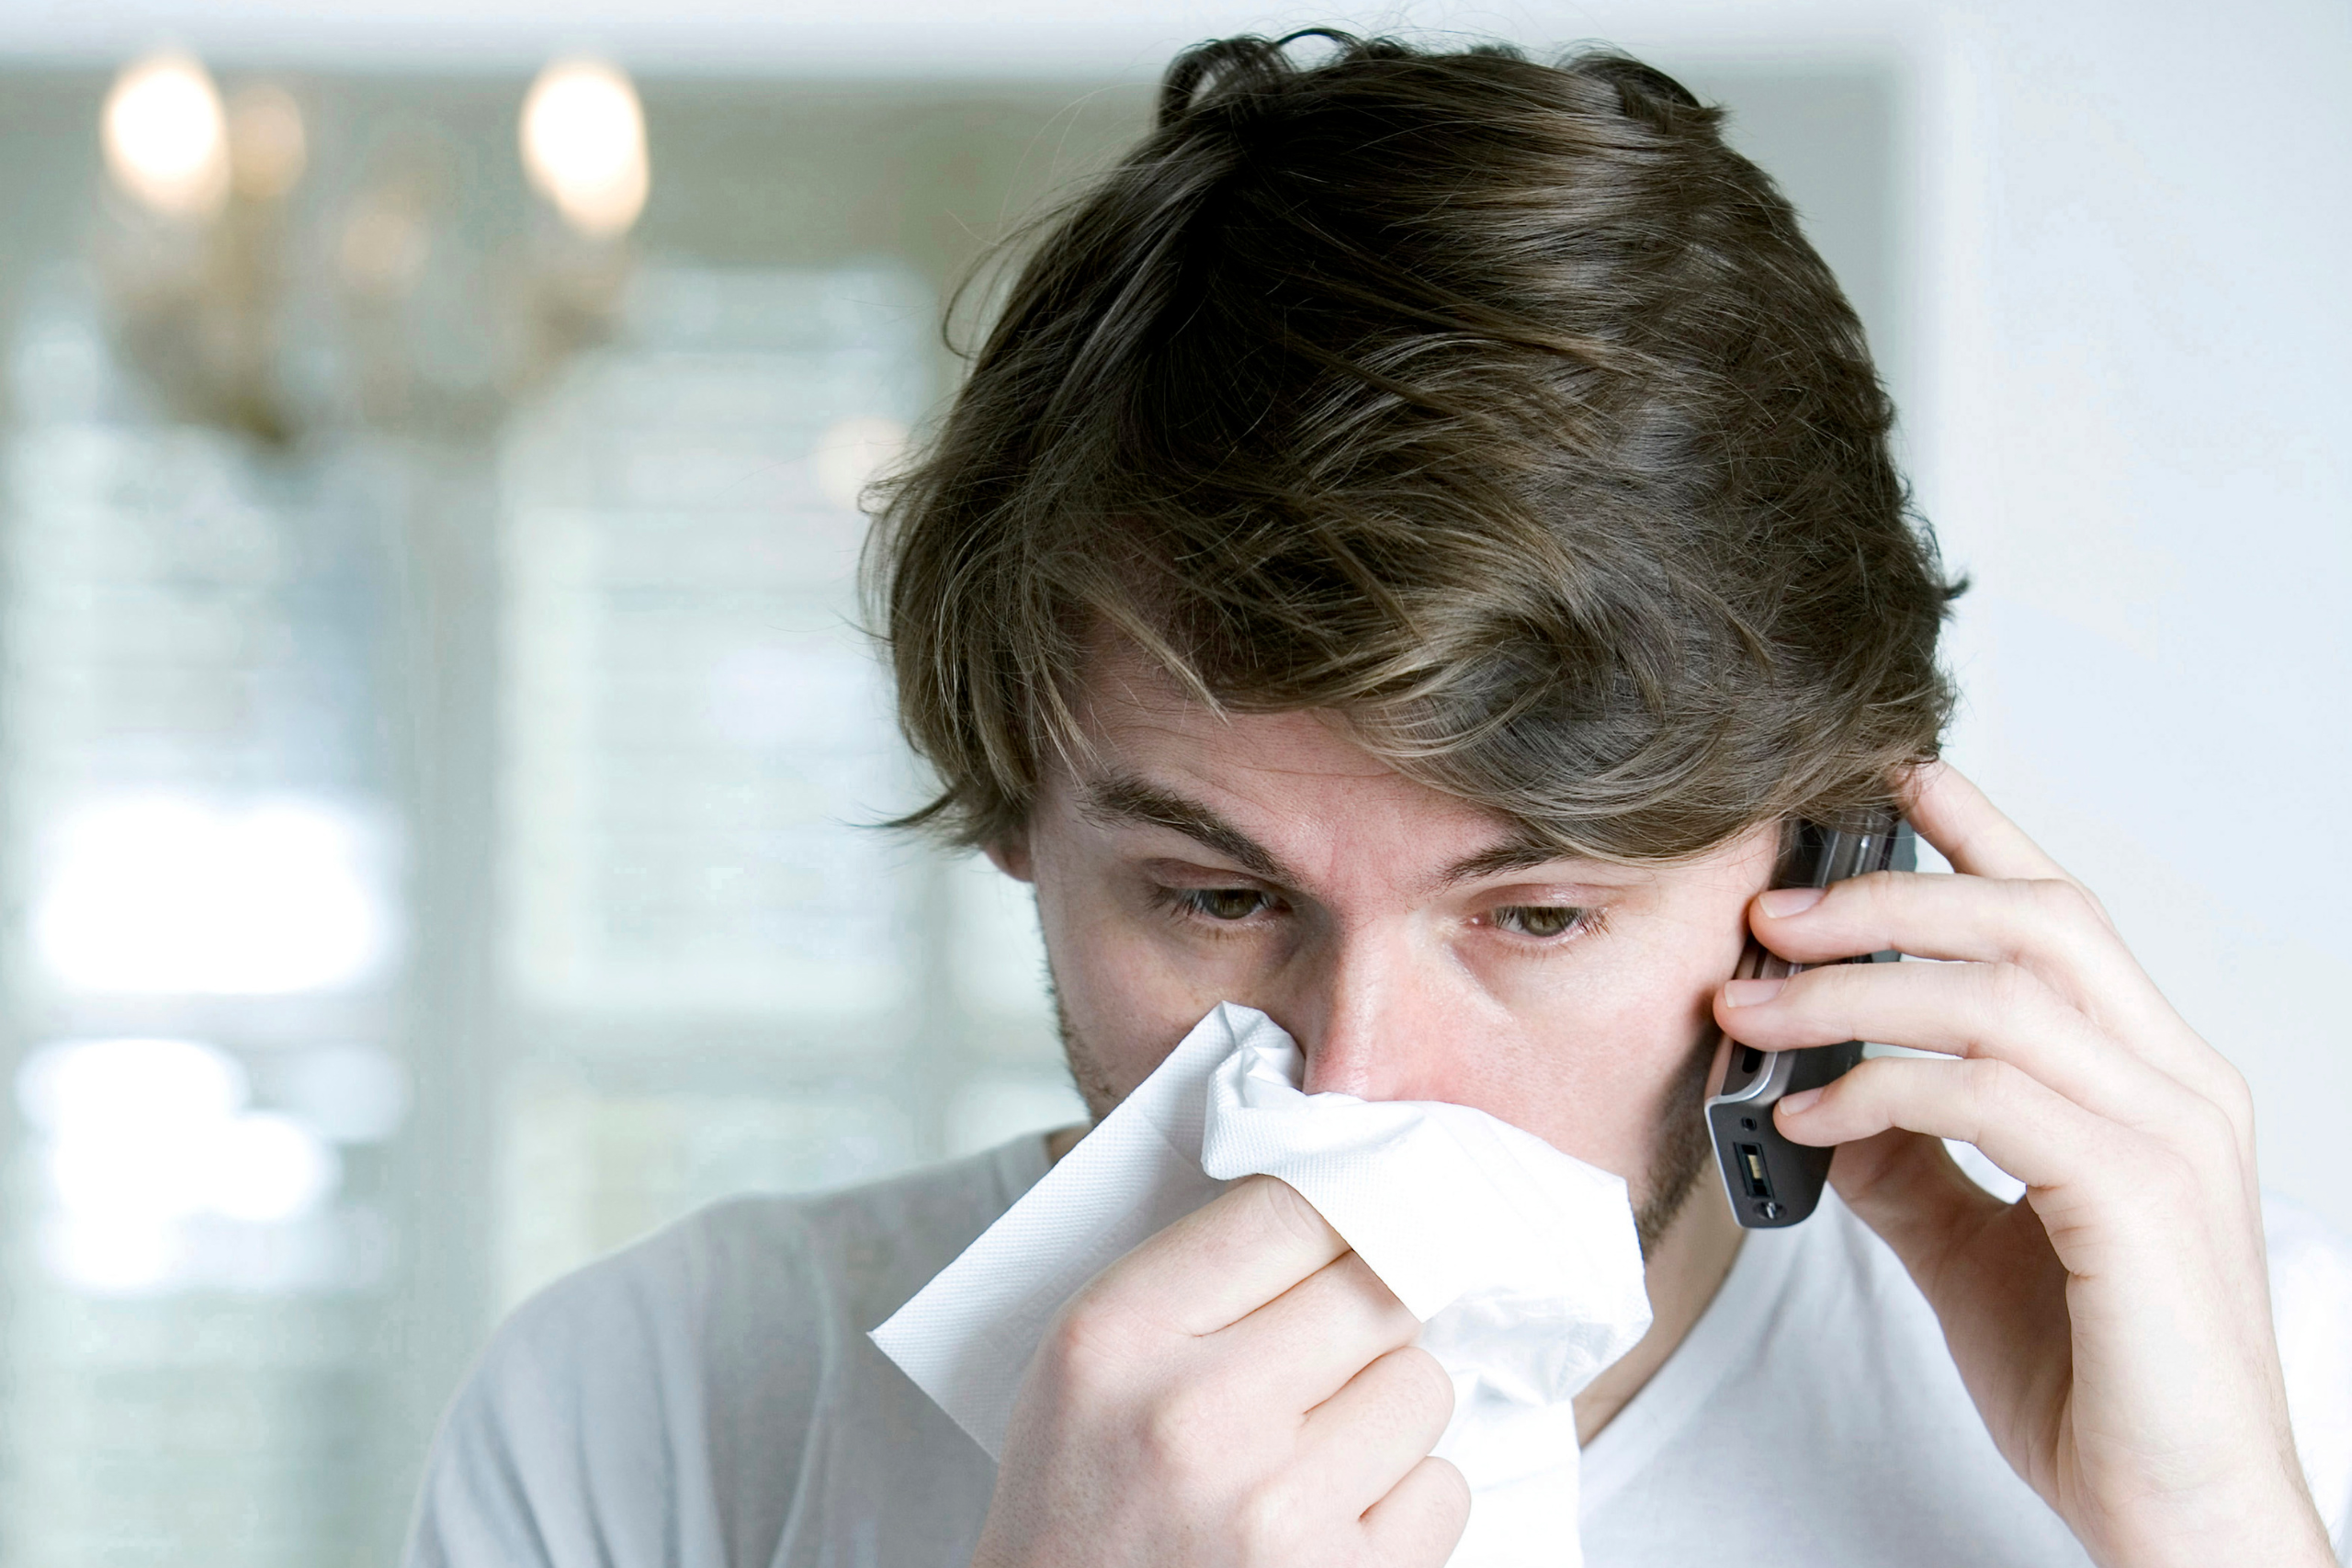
(2130, 419)
(2134, 435)
(2127, 411)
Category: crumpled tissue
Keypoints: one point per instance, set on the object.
(1520, 1262)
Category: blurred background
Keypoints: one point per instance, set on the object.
(435, 745)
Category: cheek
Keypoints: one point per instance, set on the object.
(1125, 1001)
(1621, 1072)
(1599, 1070)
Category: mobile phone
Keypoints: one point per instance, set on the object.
(1770, 1181)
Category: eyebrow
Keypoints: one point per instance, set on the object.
(1115, 800)
(1512, 854)
(1125, 799)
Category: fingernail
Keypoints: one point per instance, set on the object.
(1782, 902)
(1797, 1104)
(1747, 993)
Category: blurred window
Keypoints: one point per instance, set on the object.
(697, 737)
(213, 909)
(733, 977)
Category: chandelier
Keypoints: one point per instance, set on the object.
(238, 316)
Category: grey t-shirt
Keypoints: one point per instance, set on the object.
(708, 1398)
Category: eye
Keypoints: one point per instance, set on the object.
(1223, 903)
(1540, 920)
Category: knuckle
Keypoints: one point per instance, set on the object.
(1867, 1089)
(2167, 1176)
(1090, 1342)
(1836, 985)
(1883, 891)
(2090, 903)
(1457, 1487)
(2233, 1097)
(2214, 1135)
(1425, 1385)
(1992, 1085)
(1867, 905)
(1266, 1520)
(1834, 1001)
(1863, 1083)
(2006, 988)
(1288, 1210)
(2240, 1115)
(1449, 1492)
(1178, 1433)
(1864, 1079)
(2061, 903)
(1386, 1314)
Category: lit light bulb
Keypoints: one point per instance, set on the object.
(583, 145)
(167, 137)
(267, 150)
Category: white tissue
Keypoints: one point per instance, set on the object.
(1521, 1261)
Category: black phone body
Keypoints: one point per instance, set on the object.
(1770, 1181)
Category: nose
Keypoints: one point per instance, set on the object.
(1368, 1009)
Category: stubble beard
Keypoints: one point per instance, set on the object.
(1683, 1146)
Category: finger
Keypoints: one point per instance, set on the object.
(2093, 1184)
(1303, 1346)
(1971, 832)
(1369, 1435)
(1223, 1261)
(1993, 1010)
(2049, 927)
(2025, 1127)
(1417, 1525)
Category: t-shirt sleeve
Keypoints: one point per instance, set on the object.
(600, 1424)
(2310, 1273)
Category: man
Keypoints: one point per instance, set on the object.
(1418, 532)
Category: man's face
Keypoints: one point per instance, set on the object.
(1414, 945)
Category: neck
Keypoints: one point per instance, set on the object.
(1683, 1272)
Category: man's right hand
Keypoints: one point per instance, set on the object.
(1239, 1391)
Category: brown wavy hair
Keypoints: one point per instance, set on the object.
(1497, 406)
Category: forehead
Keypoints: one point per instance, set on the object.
(1292, 796)
(1296, 786)
(1136, 716)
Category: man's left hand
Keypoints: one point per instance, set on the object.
(2114, 1327)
